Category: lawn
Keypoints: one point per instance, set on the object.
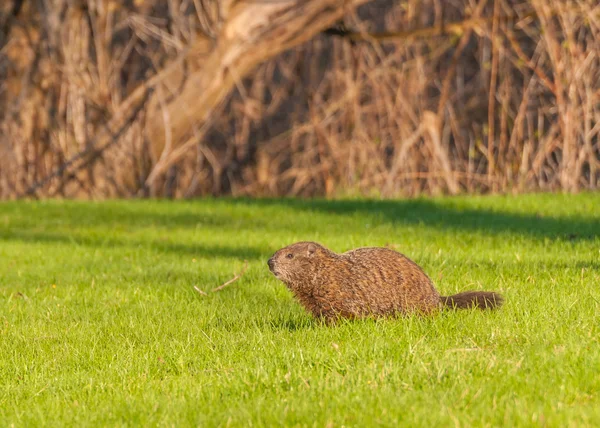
(100, 323)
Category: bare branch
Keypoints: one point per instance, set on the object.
(235, 278)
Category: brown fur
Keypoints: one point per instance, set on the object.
(364, 282)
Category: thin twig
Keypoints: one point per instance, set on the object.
(455, 27)
(235, 278)
(200, 291)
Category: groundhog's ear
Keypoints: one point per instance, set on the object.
(311, 249)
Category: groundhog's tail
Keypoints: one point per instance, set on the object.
(470, 299)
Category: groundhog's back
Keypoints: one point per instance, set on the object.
(381, 281)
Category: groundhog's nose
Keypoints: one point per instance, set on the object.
(271, 263)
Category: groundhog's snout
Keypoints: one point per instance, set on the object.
(271, 264)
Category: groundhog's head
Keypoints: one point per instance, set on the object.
(291, 263)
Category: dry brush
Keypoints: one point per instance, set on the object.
(182, 98)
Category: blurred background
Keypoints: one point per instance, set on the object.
(387, 98)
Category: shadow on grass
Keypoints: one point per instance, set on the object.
(246, 214)
(293, 324)
(447, 215)
(198, 250)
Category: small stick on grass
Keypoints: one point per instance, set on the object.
(200, 291)
(235, 278)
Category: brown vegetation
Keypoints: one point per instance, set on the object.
(181, 98)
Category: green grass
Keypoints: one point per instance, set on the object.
(100, 323)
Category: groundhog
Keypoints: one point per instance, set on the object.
(365, 282)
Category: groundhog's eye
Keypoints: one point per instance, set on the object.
(290, 255)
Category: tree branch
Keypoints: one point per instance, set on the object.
(251, 33)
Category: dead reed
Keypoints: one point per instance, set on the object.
(421, 97)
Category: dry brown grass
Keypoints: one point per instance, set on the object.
(427, 97)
